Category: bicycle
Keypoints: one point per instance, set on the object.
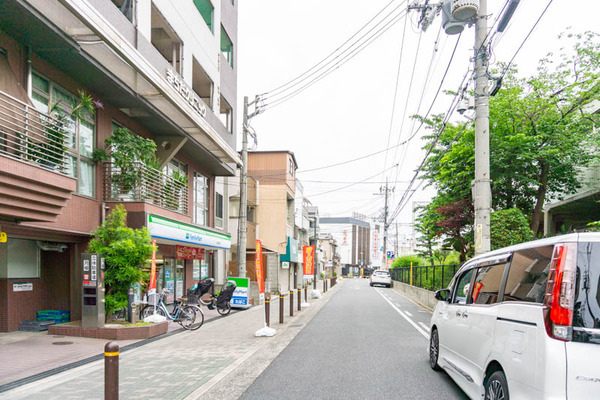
(185, 315)
(221, 302)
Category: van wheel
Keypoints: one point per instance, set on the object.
(496, 387)
(434, 350)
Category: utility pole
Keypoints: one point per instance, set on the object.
(241, 243)
(482, 197)
(385, 225)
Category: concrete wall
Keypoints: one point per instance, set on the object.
(422, 296)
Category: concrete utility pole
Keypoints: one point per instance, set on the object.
(385, 225)
(241, 243)
(482, 196)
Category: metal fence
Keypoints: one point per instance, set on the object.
(426, 277)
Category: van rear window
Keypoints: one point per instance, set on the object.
(586, 312)
(528, 275)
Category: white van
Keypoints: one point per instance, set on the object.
(523, 321)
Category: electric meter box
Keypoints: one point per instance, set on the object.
(92, 282)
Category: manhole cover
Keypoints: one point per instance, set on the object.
(58, 336)
(61, 343)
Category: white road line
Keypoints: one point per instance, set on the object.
(410, 321)
(409, 314)
(424, 326)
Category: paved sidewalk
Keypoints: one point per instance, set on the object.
(185, 365)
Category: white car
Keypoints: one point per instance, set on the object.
(381, 277)
(523, 322)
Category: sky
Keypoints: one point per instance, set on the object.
(364, 105)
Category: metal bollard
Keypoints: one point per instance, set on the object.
(291, 303)
(306, 294)
(268, 310)
(299, 299)
(281, 308)
(324, 287)
(111, 371)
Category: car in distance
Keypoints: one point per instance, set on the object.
(381, 277)
(523, 321)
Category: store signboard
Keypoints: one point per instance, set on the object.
(189, 253)
(308, 258)
(23, 287)
(240, 296)
(171, 230)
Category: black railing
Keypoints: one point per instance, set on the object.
(426, 277)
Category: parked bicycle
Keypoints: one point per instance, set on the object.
(220, 302)
(185, 315)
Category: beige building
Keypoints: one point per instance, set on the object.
(276, 172)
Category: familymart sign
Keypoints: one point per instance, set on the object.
(171, 230)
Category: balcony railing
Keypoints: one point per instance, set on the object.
(137, 182)
(33, 137)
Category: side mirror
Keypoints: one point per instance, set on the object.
(442, 294)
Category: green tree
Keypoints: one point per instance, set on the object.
(126, 250)
(508, 227)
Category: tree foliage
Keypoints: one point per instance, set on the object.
(508, 227)
(126, 250)
(405, 261)
(541, 137)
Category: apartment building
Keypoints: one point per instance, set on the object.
(165, 70)
(276, 172)
(352, 235)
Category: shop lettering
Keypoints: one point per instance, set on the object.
(186, 92)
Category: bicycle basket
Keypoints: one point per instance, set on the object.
(226, 293)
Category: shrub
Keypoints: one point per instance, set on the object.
(405, 261)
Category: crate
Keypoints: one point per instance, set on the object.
(33, 325)
(57, 316)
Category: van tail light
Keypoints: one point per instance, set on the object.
(560, 292)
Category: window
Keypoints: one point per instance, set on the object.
(528, 275)
(462, 288)
(166, 41)
(200, 199)
(219, 190)
(173, 167)
(226, 47)
(487, 284)
(126, 7)
(206, 10)
(202, 84)
(226, 115)
(291, 167)
(47, 97)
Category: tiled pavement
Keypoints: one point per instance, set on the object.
(178, 366)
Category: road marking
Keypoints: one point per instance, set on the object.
(424, 326)
(409, 314)
(410, 321)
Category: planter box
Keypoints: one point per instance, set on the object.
(110, 332)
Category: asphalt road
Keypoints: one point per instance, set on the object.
(366, 343)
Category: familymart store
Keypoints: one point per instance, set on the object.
(186, 254)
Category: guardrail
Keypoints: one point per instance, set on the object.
(426, 277)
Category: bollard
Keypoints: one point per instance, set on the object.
(305, 294)
(324, 287)
(268, 310)
(281, 308)
(291, 303)
(299, 299)
(111, 371)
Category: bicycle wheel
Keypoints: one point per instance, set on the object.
(224, 309)
(199, 319)
(186, 317)
(149, 310)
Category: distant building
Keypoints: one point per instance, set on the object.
(352, 235)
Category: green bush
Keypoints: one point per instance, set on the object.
(508, 227)
(405, 261)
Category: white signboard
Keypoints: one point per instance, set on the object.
(23, 287)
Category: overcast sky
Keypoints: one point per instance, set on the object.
(351, 112)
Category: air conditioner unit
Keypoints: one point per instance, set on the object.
(463, 10)
(450, 24)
